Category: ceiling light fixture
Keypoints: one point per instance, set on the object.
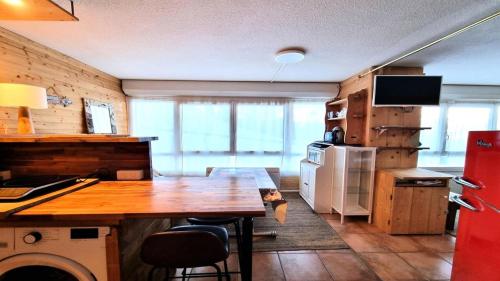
(290, 56)
(286, 57)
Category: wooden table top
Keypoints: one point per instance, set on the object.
(7, 208)
(260, 175)
(160, 198)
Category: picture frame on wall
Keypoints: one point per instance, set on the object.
(99, 117)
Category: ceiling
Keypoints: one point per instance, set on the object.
(227, 40)
(472, 57)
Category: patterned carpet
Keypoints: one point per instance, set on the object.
(303, 230)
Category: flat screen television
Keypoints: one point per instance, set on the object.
(406, 90)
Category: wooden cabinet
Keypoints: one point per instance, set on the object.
(353, 177)
(411, 201)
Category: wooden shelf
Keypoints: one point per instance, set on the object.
(410, 150)
(336, 118)
(354, 106)
(413, 130)
(337, 102)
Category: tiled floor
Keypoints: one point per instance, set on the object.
(374, 256)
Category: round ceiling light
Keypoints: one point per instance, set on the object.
(290, 56)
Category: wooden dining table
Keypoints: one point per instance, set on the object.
(176, 197)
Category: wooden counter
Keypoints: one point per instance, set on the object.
(136, 209)
(417, 173)
(73, 138)
(411, 201)
(169, 197)
(7, 208)
(75, 155)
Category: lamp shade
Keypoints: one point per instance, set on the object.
(16, 95)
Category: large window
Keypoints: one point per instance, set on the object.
(195, 134)
(451, 123)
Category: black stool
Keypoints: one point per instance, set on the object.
(220, 221)
(187, 246)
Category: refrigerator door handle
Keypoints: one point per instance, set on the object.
(458, 199)
(465, 183)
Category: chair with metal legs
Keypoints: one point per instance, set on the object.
(220, 222)
(187, 247)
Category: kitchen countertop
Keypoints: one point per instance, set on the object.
(10, 207)
(417, 173)
(73, 138)
(160, 198)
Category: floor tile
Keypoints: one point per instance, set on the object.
(300, 267)
(267, 267)
(347, 227)
(365, 242)
(428, 264)
(402, 243)
(232, 264)
(298, 252)
(446, 256)
(436, 243)
(391, 267)
(346, 266)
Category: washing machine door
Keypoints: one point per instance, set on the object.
(42, 267)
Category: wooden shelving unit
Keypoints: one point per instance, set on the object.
(413, 130)
(335, 102)
(353, 121)
(410, 150)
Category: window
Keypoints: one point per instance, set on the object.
(259, 127)
(227, 132)
(450, 123)
(461, 120)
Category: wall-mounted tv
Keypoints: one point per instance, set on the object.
(406, 90)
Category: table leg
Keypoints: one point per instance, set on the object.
(246, 249)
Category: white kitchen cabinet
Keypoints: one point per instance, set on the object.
(353, 181)
(316, 177)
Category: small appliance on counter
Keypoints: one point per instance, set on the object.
(28, 186)
(338, 135)
(335, 136)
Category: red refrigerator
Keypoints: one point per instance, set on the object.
(477, 250)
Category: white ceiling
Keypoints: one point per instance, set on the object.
(235, 40)
(472, 57)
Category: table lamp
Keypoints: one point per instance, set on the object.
(24, 97)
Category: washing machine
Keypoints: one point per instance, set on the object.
(53, 253)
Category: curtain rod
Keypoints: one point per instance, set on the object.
(465, 28)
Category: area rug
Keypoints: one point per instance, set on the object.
(303, 230)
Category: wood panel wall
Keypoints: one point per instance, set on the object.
(391, 116)
(27, 62)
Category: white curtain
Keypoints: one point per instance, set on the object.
(196, 133)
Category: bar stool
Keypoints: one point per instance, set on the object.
(185, 247)
(220, 221)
